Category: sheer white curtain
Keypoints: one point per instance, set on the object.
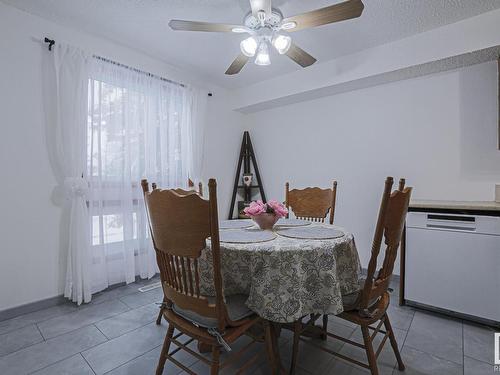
(69, 133)
(139, 126)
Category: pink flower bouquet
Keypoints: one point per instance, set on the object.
(266, 214)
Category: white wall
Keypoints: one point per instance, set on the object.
(33, 261)
(439, 131)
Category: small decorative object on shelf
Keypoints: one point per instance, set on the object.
(247, 179)
(266, 214)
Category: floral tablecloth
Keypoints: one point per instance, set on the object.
(287, 278)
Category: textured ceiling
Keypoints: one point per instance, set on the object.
(142, 24)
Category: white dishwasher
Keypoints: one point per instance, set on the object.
(452, 263)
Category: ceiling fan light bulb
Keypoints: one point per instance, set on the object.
(263, 55)
(239, 30)
(282, 43)
(248, 46)
(289, 25)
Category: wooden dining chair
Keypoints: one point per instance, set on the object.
(312, 203)
(180, 225)
(368, 305)
(179, 191)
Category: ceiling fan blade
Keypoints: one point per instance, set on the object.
(257, 5)
(201, 26)
(237, 64)
(334, 13)
(300, 56)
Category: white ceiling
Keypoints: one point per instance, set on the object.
(142, 24)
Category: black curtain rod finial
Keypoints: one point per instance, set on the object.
(50, 41)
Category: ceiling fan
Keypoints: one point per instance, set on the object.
(267, 27)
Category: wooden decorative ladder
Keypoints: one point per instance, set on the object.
(247, 156)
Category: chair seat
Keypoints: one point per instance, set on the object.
(236, 310)
(351, 301)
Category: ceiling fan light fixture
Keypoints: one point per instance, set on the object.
(289, 25)
(249, 46)
(263, 55)
(282, 43)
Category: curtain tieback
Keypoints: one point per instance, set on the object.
(76, 187)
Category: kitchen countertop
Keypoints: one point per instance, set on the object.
(455, 205)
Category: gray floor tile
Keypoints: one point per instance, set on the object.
(386, 360)
(140, 299)
(475, 367)
(336, 319)
(82, 317)
(436, 335)
(18, 339)
(341, 367)
(309, 358)
(478, 342)
(146, 363)
(46, 353)
(36, 317)
(116, 352)
(400, 316)
(75, 365)
(330, 343)
(114, 293)
(119, 324)
(420, 363)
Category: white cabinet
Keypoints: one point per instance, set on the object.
(452, 262)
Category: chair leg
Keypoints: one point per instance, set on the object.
(394, 343)
(325, 327)
(297, 326)
(160, 314)
(372, 360)
(214, 368)
(164, 350)
(270, 348)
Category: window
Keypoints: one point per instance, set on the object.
(138, 127)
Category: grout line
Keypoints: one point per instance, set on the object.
(54, 363)
(41, 334)
(87, 362)
(132, 359)
(93, 322)
(479, 360)
(124, 333)
(102, 333)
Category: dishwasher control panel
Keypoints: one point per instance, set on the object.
(454, 222)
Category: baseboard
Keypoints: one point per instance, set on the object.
(31, 307)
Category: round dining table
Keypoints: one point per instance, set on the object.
(296, 269)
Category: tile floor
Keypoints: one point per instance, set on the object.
(116, 334)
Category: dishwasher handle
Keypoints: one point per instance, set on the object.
(451, 222)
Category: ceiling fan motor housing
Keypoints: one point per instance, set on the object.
(272, 21)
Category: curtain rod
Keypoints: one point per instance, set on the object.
(51, 42)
